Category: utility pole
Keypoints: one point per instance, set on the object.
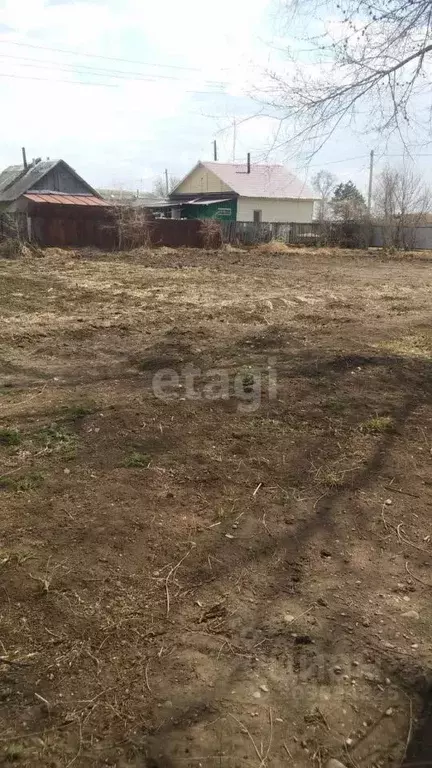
(370, 181)
(166, 182)
(234, 138)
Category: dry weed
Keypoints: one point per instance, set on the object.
(274, 246)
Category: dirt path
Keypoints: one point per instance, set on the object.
(218, 581)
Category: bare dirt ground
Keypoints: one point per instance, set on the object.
(186, 583)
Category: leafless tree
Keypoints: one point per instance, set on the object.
(402, 200)
(371, 54)
(133, 227)
(324, 183)
(159, 185)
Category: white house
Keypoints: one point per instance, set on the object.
(249, 192)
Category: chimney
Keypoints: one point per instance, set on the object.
(248, 162)
(24, 157)
(215, 156)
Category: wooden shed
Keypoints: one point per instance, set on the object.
(52, 204)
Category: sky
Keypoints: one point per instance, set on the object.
(122, 89)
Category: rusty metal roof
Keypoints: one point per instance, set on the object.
(62, 199)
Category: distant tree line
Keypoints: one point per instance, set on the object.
(397, 192)
(401, 202)
(341, 201)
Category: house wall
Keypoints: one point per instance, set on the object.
(61, 180)
(225, 211)
(17, 206)
(201, 180)
(300, 211)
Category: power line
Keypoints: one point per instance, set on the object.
(81, 72)
(333, 162)
(55, 80)
(70, 52)
(361, 157)
(83, 69)
(100, 84)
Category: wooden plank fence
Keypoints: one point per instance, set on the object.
(347, 234)
(101, 227)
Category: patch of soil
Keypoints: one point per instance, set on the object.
(232, 580)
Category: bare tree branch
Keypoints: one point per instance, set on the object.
(377, 55)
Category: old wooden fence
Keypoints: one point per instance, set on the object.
(106, 228)
(345, 234)
(78, 226)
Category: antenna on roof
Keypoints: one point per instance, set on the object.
(24, 156)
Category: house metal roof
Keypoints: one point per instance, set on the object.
(164, 203)
(60, 198)
(198, 201)
(16, 181)
(9, 176)
(153, 202)
(272, 181)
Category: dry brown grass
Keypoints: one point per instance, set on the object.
(274, 247)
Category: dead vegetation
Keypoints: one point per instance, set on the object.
(132, 227)
(186, 583)
(14, 248)
(211, 233)
(274, 247)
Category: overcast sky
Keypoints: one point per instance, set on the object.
(178, 73)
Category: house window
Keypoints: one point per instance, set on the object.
(257, 217)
